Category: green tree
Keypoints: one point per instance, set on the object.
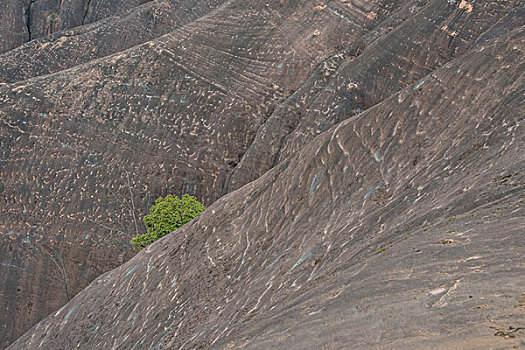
(167, 215)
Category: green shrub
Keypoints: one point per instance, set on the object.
(167, 215)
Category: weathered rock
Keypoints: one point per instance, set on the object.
(70, 48)
(364, 75)
(25, 20)
(398, 227)
(85, 151)
(13, 28)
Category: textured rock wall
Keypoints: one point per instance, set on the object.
(379, 64)
(397, 227)
(70, 48)
(13, 28)
(85, 151)
(25, 20)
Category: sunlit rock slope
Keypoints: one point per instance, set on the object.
(399, 227)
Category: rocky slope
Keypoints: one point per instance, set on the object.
(345, 85)
(66, 49)
(399, 227)
(85, 151)
(25, 20)
(232, 90)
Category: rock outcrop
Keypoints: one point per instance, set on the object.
(370, 183)
(70, 48)
(369, 71)
(86, 150)
(25, 20)
(397, 227)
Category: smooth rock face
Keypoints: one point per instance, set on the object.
(85, 151)
(399, 227)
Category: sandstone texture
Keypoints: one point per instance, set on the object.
(85, 151)
(370, 70)
(362, 161)
(397, 228)
(69, 48)
(24, 20)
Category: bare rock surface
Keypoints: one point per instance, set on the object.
(84, 151)
(69, 48)
(25, 20)
(365, 74)
(400, 227)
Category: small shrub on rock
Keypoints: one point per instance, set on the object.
(165, 216)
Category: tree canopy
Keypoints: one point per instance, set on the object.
(167, 215)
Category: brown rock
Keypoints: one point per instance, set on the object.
(25, 20)
(291, 260)
(172, 115)
(378, 65)
(69, 48)
(338, 229)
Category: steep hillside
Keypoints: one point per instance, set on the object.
(85, 151)
(25, 20)
(400, 227)
(363, 75)
(66, 49)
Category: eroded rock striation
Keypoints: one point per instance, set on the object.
(373, 68)
(25, 20)
(86, 150)
(397, 227)
(368, 153)
(69, 48)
